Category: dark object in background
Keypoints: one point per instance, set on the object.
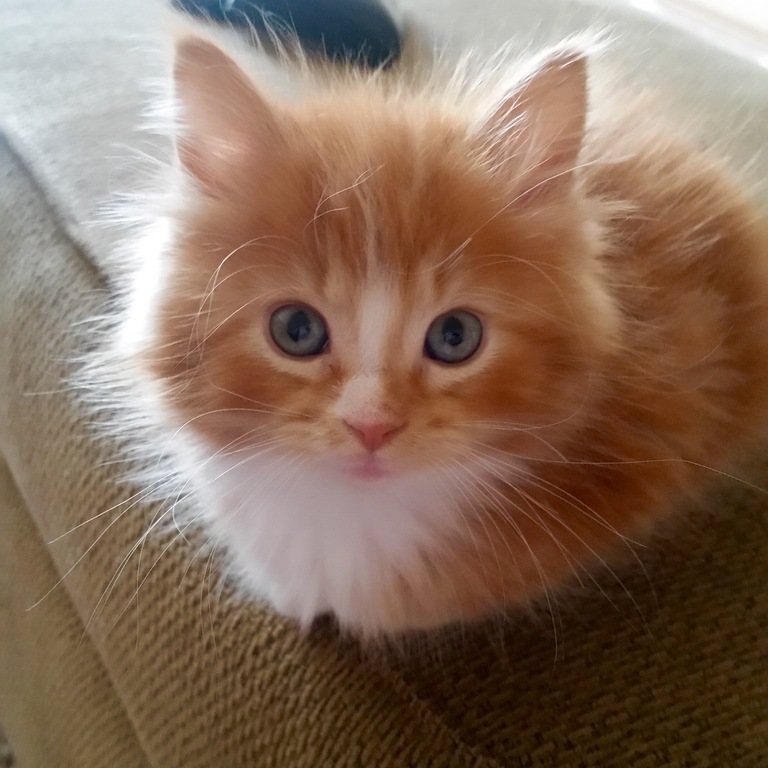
(361, 31)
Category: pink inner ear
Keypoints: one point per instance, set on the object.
(540, 124)
(226, 126)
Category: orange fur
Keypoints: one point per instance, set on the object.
(625, 313)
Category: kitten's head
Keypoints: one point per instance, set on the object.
(379, 285)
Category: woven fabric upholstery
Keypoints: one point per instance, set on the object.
(153, 664)
(56, 697)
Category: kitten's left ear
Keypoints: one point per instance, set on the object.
(540, 124)
(227, 130)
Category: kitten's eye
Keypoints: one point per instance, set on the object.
(299, 331)
(453, 337)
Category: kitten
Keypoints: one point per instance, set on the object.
(434, 349)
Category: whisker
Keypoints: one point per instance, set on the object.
(498, 503)
(521, 491)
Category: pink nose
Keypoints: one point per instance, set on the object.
(373, 434)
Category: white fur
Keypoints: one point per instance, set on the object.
(310, 540)
(137, 330)
(377, 309)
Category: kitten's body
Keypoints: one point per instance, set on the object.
(621, 279)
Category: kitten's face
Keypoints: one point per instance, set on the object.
(375, 299)
(418, 305)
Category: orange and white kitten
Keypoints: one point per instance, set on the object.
(433, 352)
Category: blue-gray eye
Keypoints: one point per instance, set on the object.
(298, 330)
(453, 337)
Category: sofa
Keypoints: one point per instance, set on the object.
(115, 656)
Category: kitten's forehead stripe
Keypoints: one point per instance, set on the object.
(378, 311)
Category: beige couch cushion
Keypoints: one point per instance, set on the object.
(663, 669)
(57, 700)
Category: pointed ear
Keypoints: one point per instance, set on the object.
(540, 124)
(226, 128)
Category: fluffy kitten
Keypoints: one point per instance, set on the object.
(433, 349)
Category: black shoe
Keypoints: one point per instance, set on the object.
(354, 30)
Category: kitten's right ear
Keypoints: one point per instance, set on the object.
(226, 128)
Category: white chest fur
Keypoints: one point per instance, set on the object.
(310, 540)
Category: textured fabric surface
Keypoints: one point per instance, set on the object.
(56, 698)
(660, 665)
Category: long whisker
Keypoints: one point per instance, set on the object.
(265, 446)
(520, 490)
(499, 503)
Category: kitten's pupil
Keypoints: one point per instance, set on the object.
(453, 331)
(298, 325)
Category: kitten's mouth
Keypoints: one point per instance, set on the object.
(367, 468)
